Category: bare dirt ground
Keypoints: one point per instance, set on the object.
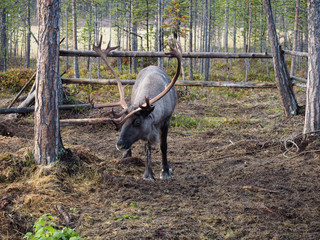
(233, 176)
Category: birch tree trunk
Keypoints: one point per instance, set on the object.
(280, 69)
(312, 116)
(46, 116)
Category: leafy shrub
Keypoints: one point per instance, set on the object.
(45, 229)
(15, 79)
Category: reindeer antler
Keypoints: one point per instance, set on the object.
(103, 54)
(176, 51)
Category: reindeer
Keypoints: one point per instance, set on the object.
(153, 100)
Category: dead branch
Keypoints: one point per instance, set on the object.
(65, 215)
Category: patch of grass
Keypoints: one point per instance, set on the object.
(124, 217)
(14, 79)
(189, 122)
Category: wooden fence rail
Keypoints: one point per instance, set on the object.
(178, 83)
(78, 53)
(296, 53)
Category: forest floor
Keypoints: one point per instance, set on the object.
(237, 175)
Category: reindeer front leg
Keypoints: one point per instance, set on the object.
(166, 170)
(148, 174)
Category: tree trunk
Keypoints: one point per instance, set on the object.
(96, 29)
(235, 29)
(295, 36)
(89, 35)
(135, 46)
(281, 72)
(248, 45)
(160, 33)
(206, 23)
(3, 40)
(190, 40)
(75, 40)
(28, 35)
(67, 36)
(226, 22)
(46, 117)
(312, 116)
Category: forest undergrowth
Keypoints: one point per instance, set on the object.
(237, 173)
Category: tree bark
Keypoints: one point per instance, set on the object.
(312, 115)
(46, 117)
(281, 72)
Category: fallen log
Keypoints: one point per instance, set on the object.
(83, 121)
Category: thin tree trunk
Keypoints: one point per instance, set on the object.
(96, 29)
(67, 35)
(3, 40)
(46, 117)
(206, 23)
(135, 46)
(226, 22)
(281, 72)
(235, 30)
(248, 45)
(295, 36)
(195, 32)
(312, 116)
(75, 40)
(160, 33)
(28, 35)
(190, 40)
(147, 20)
(89, 35)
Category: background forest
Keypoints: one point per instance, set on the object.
(200, 25)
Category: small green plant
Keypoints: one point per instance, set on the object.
(45, 229)
(124, 217)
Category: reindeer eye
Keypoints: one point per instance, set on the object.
(137, 122)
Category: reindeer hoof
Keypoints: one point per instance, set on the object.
(148, 176)
(166, 175)
(149, 179)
